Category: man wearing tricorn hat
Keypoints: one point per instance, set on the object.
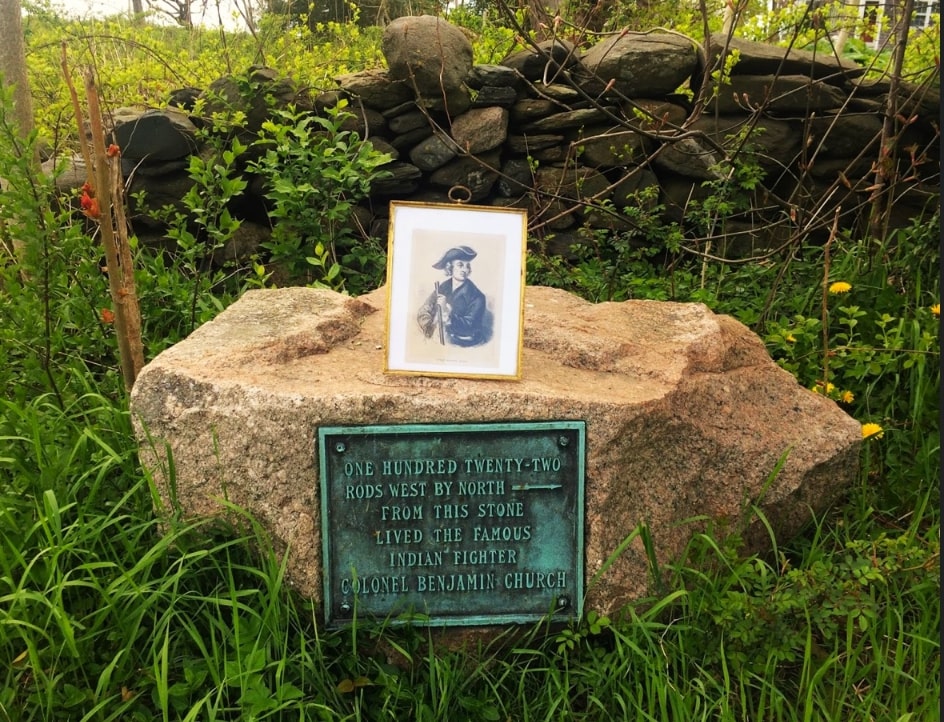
(455, 311)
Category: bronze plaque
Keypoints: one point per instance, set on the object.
(453, 524)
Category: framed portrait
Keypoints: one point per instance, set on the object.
(455, 290)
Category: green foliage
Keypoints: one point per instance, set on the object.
(52, 288)
(676, 15)
(732, 191)
(818, 28)
(613, 266)
(300, 12)
(922, 59)
(814, 625)
(722, 76)
(770, 613)
(314, 55)
(315, 173)
(492, 39)
(199, 230)
(571, 637)
(801, 24)
(141, 63)
(315, 16)
(880, 355)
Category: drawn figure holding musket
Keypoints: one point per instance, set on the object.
(456, 312)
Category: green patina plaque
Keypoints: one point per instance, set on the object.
(453, 524)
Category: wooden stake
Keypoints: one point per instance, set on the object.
(117, 254)
(103, 177)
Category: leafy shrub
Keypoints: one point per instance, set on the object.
(187, 287)
(141, 63)
(52, 286)
(315, 172)
(769, 612)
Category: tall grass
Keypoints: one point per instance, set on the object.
(106, 616)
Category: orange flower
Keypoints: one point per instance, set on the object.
(113, 150)
(90, 206)
(108, 316)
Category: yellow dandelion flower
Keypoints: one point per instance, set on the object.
(936, 309)
(847, 397)
(840, 287)
(830, 388)
(869, 430)
(790, 338)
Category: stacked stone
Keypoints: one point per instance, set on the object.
(574, 136)
(534, 132)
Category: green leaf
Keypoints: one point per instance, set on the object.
(288, 691)
(346, 686)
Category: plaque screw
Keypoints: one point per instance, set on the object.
(562, 441)
(340, 447)
(563, 603)
(345, 607)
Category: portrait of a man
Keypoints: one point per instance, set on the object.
(455, 290)
(456, 311)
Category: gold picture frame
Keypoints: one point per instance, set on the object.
(455, 290)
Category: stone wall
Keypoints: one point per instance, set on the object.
(578, 136)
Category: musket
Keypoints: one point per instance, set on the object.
(439, 317)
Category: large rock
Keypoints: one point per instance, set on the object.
(645, 65)
(434, 152)
(159, 192)
(687, 419)
(691, 157)
(475, 173)
(431, 56)
(772, 142)
(543, 62)
(563, 194)
(755, 58)
(485, 75)
(778, 94)
(376, 89)
(609, 147)
(481, 129)
(401, 179)
(154, 135)
(567, 120)
(638, 187)
(845, 135)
